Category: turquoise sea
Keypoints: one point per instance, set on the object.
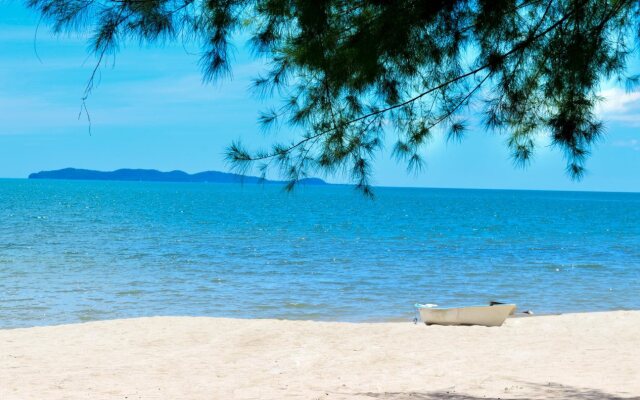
(75, 251)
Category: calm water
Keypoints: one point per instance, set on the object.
(79, 251)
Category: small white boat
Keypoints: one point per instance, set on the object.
(477, 315)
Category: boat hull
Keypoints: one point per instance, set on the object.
(480, 315)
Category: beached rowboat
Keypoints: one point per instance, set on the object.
(476, 315)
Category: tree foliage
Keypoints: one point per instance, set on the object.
(349, 72)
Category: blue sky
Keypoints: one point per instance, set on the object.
(150, 109)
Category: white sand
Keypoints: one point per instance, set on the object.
(592, 356)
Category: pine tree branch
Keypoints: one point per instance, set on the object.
(521, 45)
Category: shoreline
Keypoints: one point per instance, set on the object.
(561, 356)
(394, 320)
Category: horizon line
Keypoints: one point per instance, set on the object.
(384, 186)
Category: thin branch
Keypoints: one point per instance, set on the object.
(35, 40)
(90, 83)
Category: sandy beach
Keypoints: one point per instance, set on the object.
(572, 356)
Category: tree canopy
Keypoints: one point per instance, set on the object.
(348, 73)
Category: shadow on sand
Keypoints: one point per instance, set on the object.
(530, 391)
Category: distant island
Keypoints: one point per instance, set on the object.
(152, 175)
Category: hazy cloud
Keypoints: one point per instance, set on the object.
(633, 144)
(620, 106)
